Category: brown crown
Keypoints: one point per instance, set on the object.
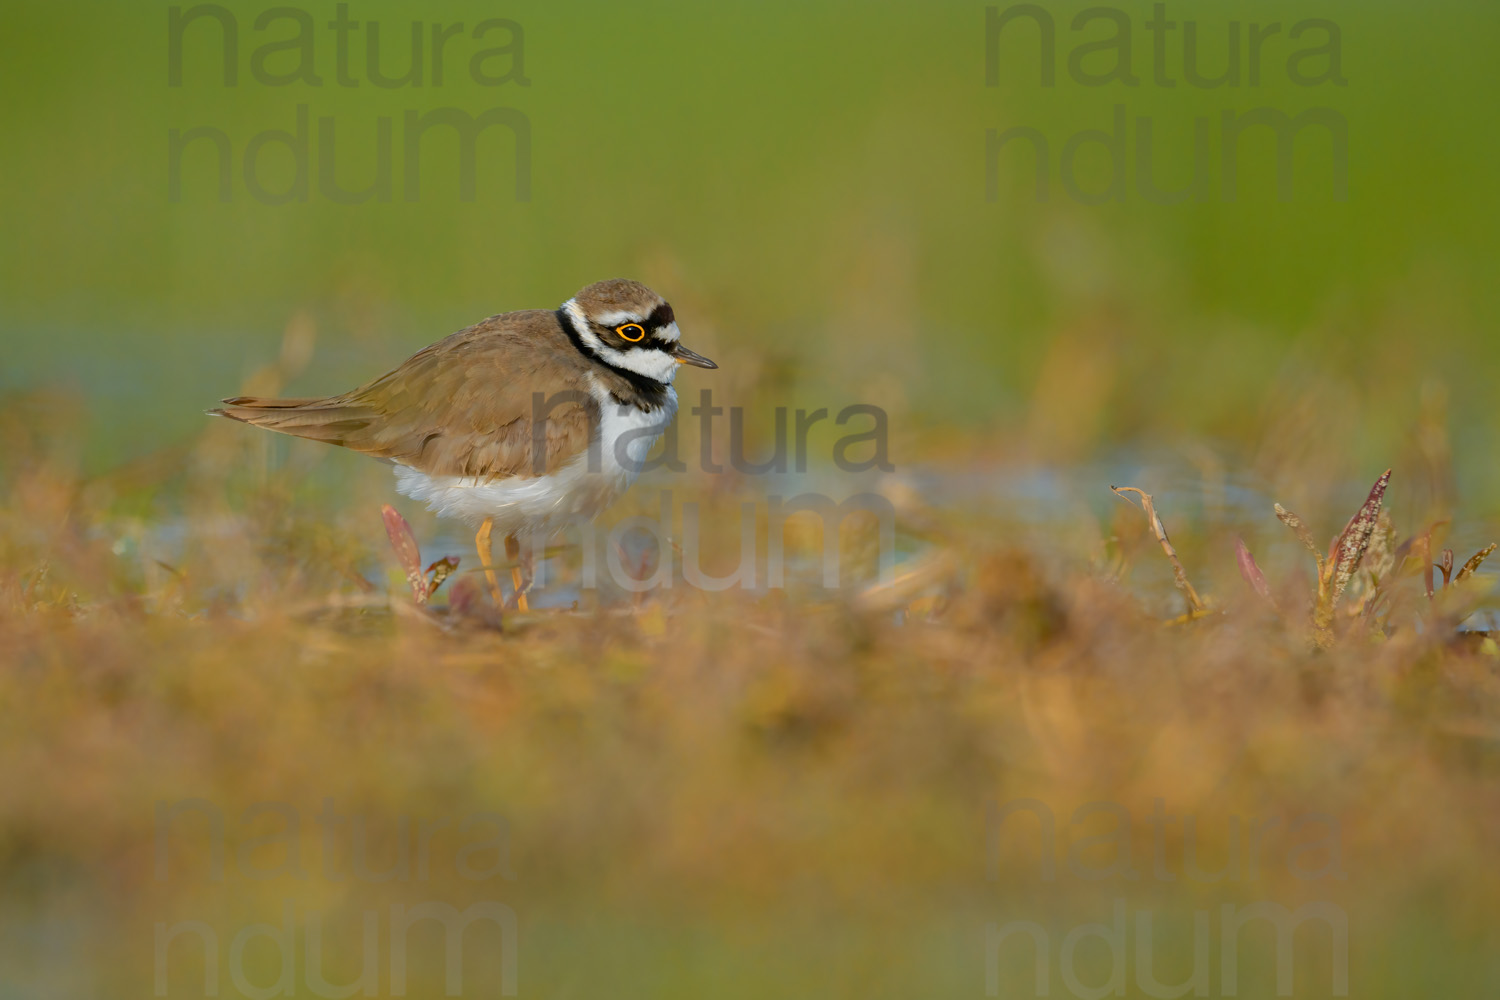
(619, 294)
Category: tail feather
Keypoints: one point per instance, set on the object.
(331, 419)
(262, 403)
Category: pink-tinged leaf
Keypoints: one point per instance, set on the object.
(1343, 560)
(404, 544)
(469, 602)
(440, 571)
(466, 598)
(1251, 572)
(1446, 565)
(1350, 547)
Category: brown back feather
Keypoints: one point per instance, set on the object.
(464, 406)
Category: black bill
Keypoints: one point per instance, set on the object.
(687, 357)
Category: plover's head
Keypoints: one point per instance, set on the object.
(627, 326)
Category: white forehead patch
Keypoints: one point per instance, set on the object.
(652, 362)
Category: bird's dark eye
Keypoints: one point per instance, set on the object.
(632, 332)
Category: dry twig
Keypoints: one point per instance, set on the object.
(1195, 603)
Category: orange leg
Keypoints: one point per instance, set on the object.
(513, 553)
(482, 543)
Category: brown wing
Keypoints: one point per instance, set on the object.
(465, 406)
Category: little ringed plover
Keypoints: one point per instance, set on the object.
(521, 422)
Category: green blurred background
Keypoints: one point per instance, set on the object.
(807, 182)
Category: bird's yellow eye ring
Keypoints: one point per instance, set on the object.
(632, 332)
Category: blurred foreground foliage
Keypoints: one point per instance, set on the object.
(736, 794)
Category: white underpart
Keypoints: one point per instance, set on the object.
(582, 488)
(651, 362)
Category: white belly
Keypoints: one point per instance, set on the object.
(581, 489)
